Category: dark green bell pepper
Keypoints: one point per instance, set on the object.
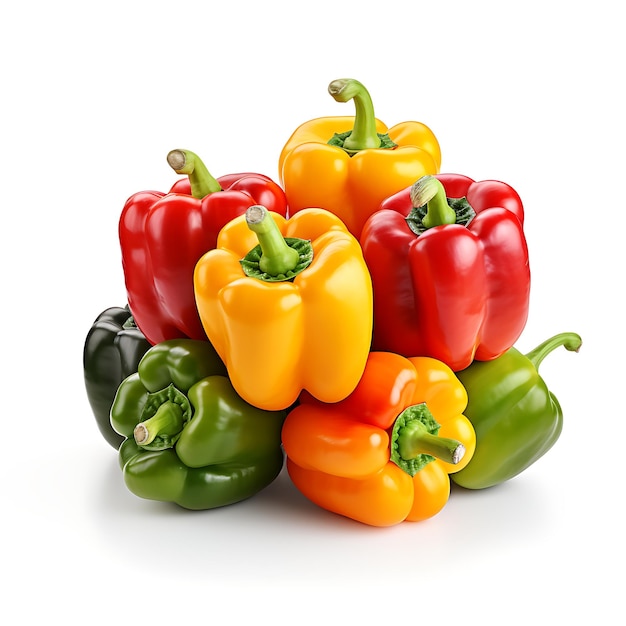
(190, 438)
(516, 418)
(113, 348)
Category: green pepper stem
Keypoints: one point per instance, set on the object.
(168, 420)
(414, 439)
(429, 191)
(276, 256)
(201, 181)
(363, 133)
(570, 341)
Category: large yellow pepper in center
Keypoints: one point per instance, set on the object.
(349, 164)
(284, 320)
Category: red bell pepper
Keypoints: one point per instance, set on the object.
(162, 236)
(450, 271)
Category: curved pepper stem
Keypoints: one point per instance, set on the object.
(363, 134)
(187, 162)
(167, 422)
(570, 341)
(429, 191)
(415, 443)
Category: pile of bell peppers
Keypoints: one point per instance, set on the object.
(351, 323)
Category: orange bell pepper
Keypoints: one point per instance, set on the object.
(287, 304)
(349, 164)
(384, 454)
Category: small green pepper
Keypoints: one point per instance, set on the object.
(190, 438)
(516, 418)
(113, 348)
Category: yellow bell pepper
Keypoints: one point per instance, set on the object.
(349, 164)
(287, 304)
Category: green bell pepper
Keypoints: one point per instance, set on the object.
(515, 417)
(113, 348)
(190, 438)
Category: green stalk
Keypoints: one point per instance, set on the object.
(415, 442)
(201, 181)
(570, 341)
(415, 439)
(166, 423)
(429, 191)
(363, 133)
(277, 258)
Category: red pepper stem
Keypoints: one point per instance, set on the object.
(415, 439)
(277, 258)
(201, 181)
(429, 191)
(168, 420)
(363, 133)
(570, 341)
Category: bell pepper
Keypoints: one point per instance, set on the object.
(450, 271)
(189, 438)
(287, 303)
(349, 164)
(162, 235)
(515, 416)
(384, 454)
(113, 348)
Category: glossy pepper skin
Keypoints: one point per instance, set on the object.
(384, 454)
(515, 416)
(112, 351)
(162, 236)
(306, 323)
(190, 439)
(445, 288)
(349, 164)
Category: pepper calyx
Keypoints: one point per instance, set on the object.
(339, 140)
(164, 415)
(431, 207)
(275, 258)
(415, 441)
(129, 322)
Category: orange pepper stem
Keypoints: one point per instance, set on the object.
(429, 191)
(363, 133)
(187, 162)
(415, 443)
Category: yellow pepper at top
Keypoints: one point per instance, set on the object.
(288, 306)
(349, 164)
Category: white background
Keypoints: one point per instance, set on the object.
(94, 98)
